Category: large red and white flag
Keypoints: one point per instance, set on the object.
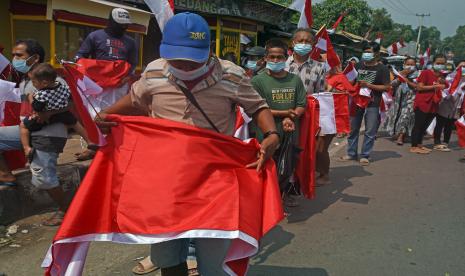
(334, 112)
(393, 49)
(350, 72)
(162, 9)
(456, 81)
(75, 80)
(305, 9)
(124, 197)
(323, 43)
(105, 73)
(460, 125)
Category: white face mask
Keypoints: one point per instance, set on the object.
(189, 75)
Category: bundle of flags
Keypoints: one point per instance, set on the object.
(124, 197)
(309, 129)
(334, 112)
(393, 49)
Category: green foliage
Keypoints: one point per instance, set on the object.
(357, 20)
(456, 43)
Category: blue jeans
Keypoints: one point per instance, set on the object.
(44, 170)
(372, 119)
(210, 253)
(10, 138)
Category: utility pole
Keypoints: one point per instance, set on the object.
(422, 17)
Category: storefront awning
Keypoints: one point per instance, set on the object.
(98, 9)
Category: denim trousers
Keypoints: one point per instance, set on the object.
(372, 120)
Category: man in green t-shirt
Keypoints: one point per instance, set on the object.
(286, 96)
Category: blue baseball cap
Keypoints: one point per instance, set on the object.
(186, 36)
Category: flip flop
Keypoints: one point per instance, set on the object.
(145, 266)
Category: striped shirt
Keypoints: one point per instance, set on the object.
(311, 72)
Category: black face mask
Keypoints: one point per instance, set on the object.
(115, 29)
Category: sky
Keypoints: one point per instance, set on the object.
(446, 15)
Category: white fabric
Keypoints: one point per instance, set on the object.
(243, 131)
(8, 93)
(327, 112)
(243, 245)
(322, 44)
(300, 6)
(88, 86)
(3, 62)
(109, 96)
(431, 127)
(365, 91)
(162, 11)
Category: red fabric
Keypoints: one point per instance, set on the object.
(196, 180)
(239, 119)
(427, 101)
(341, 112)
(306, 166)
(340, 82)
(105, 73)
(308, 12)
(461, 132)
(455, 83)
(72, 75)
(358, 100)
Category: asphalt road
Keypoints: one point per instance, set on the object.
(402, 215)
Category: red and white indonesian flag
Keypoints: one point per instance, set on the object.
(424, 59)
(398, 75)
(454, 87)
(124, 197)
(324, 43)
(334, 112)
(105, 73)
(350, 72)
(8, 94)
(76, 80)
(460, 125)
(162, 9)
(379, 37)
(242, 124)
(305, 9)
(393, 49)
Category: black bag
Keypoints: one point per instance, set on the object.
(287, 158)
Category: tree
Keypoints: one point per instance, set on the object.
(356, 21)
(456, 43)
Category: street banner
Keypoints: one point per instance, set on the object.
(193, 185)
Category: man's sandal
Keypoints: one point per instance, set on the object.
(144, 267)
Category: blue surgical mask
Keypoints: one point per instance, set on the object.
(368, 56)
(302, 49)
(439, 67)
(20, 65)
(188, 75)
(251, 64)
(276, 66)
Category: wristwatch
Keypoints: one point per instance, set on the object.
(268, 133)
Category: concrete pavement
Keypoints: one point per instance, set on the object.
(402, 215)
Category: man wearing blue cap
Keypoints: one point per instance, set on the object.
(218, 86)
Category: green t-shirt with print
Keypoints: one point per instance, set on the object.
(280, 94)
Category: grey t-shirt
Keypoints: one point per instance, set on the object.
(51, 138)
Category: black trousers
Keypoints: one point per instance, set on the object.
(446, 124)
(422, 121)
